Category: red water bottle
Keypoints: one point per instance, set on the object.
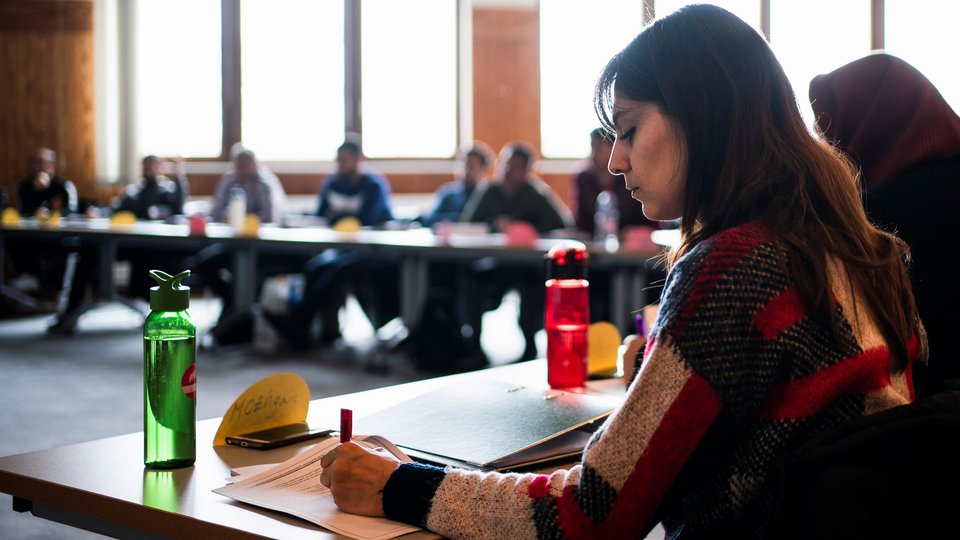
(567, 315)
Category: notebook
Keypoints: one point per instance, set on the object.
(491, 425)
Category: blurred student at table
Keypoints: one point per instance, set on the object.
(39, 266)
(894, 124)
(155, 195)
(586, 185)
(593, 179)
(473, 163)
(354, 193)
(263, 193)
(516, 195)
(264, 198)
(43, 191)
(442, 338)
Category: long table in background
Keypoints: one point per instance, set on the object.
(416, 248)
(103, 487)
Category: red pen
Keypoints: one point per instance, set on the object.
(346, 425)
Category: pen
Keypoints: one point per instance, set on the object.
(346, 425)
(641, 325)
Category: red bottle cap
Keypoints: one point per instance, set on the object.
(567, 260)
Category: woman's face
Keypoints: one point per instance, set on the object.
(650, 153)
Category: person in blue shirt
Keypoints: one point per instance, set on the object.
(331, 275)
(350, 192)
(451, 198)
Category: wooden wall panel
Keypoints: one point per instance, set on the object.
(506, 76)
(46, 99)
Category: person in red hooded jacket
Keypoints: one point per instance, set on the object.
(893, 123)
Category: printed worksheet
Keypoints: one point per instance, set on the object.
(294, 487)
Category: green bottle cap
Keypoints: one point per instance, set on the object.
(169, 294)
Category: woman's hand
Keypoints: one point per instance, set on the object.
(356, 476)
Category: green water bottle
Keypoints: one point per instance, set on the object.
(169, 376)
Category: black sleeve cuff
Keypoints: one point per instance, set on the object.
(409, 491)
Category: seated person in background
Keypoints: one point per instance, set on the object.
(40, 263)
(43, 191)
(155, 196)
(262, 188)
(517, 195)
(328, 277)
(894, 124)
(442, 338)
(211, 266)
(594, 178)
(451, 198)
(778, 288)
(350, 192)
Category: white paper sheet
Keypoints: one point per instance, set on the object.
(294, 487)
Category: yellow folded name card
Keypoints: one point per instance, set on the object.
(348, 224)
(279, 399)
(603, 342)
(123, 218)
(10, 218)
(251, 226)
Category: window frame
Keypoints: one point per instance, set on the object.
(353, 88)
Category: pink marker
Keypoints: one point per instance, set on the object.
(346, 425)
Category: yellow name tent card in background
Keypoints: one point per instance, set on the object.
(251, 226)
(277, 400)
(123, 218)
(11, 218)
(348, 224)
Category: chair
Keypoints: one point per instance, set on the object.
(894, 474)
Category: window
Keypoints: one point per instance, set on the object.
(923, 32)
(291, 69)
(409, 78)
(177, 78)
(577, 39)
(797, 35)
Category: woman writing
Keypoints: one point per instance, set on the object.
(785, 313)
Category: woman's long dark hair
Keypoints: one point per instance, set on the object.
(750, 157)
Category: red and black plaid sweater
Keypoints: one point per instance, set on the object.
(734, 376)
